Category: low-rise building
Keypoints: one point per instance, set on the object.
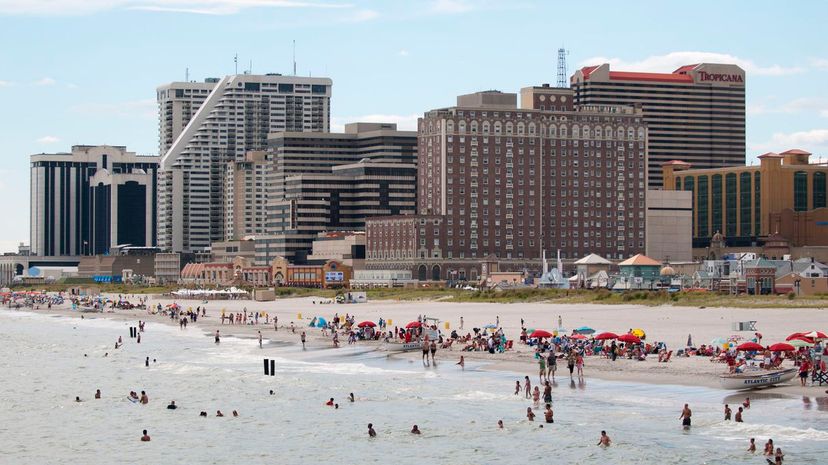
(167, 268)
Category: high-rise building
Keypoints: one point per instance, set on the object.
(236, 117)
(91, 199)
(498, 181)
(696, 113)
(245, 192)
(178, 102)
(332, 182)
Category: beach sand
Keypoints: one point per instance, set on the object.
(664, 323)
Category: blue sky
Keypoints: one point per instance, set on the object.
(85, 71)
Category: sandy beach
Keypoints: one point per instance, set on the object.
(669, 324)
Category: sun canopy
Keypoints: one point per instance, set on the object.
(606, 336)
(749, 346)
(782, 347)
(540, 333)
(367, 323)
(630, 338)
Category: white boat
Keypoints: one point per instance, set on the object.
(756, 378)
(401, 346)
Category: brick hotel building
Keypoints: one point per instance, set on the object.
(695, 114)
(499, 182)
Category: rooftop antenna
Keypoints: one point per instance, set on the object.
(294, 57)
(236, 62)
(250, 69)
(186, 74)
(562, 78)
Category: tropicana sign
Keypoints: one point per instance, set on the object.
(718, 77)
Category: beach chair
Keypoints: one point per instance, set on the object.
(667, 357)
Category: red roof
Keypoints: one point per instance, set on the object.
(658, 77)
(769, 155)
(685, 69)
(676, 162)
(587, 70)
(795, 152)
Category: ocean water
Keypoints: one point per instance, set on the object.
(44, 368)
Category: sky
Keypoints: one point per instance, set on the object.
(85, 71)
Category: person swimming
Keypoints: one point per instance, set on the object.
(351, 397)
(77, 399)
(752, 446)
(330, 402)
(98, 394)
(235, 413)
(202, 414)
(219, 414)
(145, 437)
(500, 424)
(415, 430)
(172, 405)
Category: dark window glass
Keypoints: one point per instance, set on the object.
(703, 203)
(716, 204)
(800, 191)
(318, 89)
(689, 185)
(744, 205)
(285, 87)
(757, 204)
(819, 190)
(254, 86)
(730, 204)
(678, 184)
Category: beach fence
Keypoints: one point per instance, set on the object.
(269, 367)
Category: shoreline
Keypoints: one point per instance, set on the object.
(681, 371)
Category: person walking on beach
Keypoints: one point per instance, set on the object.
(433, 349)
(527, 387)
(302, 338)
(570, 362)
(461, 322)
(218, 339)
(275, 323)
(579, 364)
(605, 440)
(541, 368)
(551, 364)
(260, 339)
(686, 413)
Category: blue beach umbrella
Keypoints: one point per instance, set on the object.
(584, 330)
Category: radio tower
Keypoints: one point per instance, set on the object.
(562, 75)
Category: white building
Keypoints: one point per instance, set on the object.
(235, 117)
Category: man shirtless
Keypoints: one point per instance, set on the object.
(605, 440)
(686, 413)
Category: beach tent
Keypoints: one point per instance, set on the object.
(321, 322)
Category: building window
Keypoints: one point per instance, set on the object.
(689, 185)
(744, 205)
(703, 207)
(757, 211)
(800, 191)
(678, 183)
(716, 204)
(730, 204)
(819, 190)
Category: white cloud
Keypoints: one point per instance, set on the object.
(451, 6)
(403, 53)
(404, 122)
(820, 63)
(818, 105)
(6, 83)
(814, 140)
(673, 60)
(144, 109)
(215, 7)
(48, 140)
(361, 16)
(47, 81)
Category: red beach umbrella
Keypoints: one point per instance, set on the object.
(800, 338)
(367, 323)
(749, 346)
(793, 336)
(540, 333)
(606, 336)
(413, 324)
(630, 338)
(577, 336)
(782, 347)
(815, 335)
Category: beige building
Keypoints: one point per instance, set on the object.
(244, 196)
(167, 268)
(347, 247)
(227, 251)
(669, 226)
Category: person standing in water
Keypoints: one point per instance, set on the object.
(433, 349)
(527, 389)
(462, 364)
(605, 440)
(727, 412)
(549, 414)
(260, 339)
(425, 352)
(739, 415)
(145, 437)
(752, 447)
(686, 413)
(218, 338)
(371, 432)
(517, 387)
